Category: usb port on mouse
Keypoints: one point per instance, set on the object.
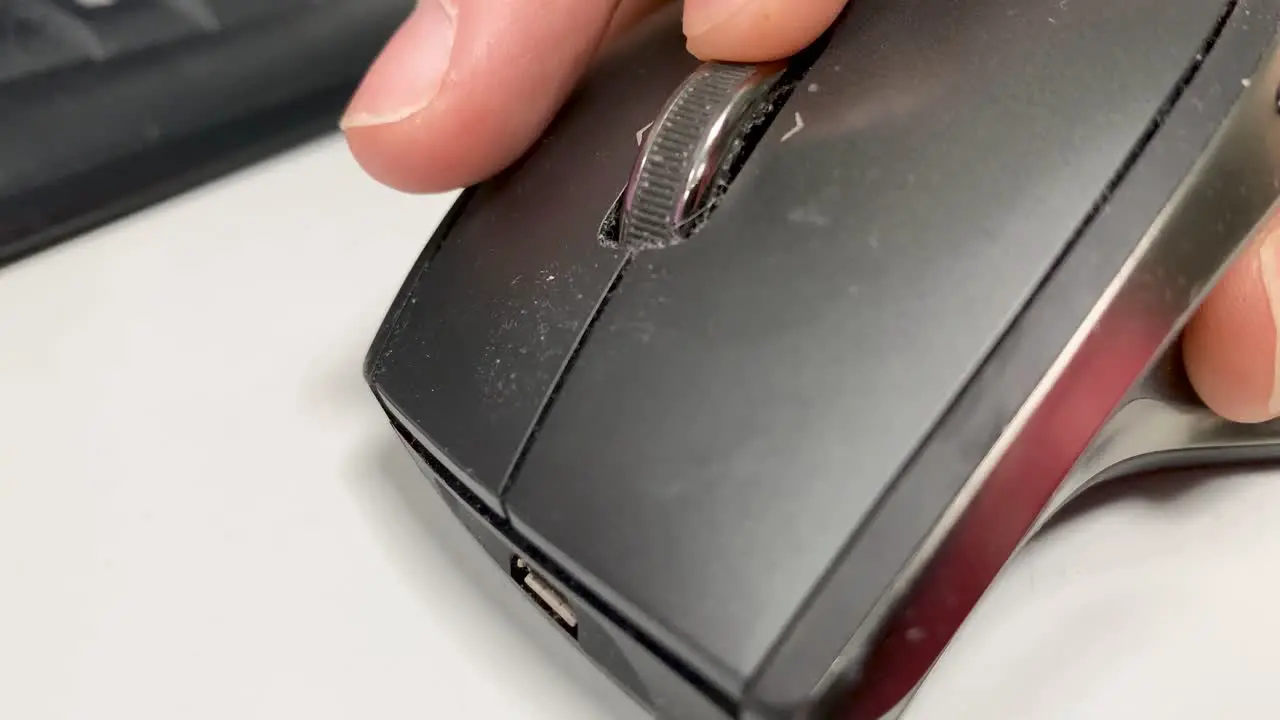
(546, 596)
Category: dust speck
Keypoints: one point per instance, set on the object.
(809, 215)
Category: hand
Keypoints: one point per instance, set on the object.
(466, 86)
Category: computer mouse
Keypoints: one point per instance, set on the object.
(753, 377)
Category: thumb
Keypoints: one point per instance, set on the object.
(465, 86)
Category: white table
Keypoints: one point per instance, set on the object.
(203, 513)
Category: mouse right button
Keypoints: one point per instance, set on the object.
(746, 398)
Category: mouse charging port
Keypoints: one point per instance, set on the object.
(546, 596)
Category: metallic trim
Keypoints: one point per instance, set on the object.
(1232, 187)
(689, 154)
(1163, 426)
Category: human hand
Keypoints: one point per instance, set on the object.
(466, 86)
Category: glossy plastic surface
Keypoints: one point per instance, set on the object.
(745, 398)
(745, 446)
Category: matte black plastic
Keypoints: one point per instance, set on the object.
(485, 327)
(745, 398)
(31, 45)
(85, 141)
(234, 12)
(117, 28)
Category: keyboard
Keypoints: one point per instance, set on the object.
(107, 106)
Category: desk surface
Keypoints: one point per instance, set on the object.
(204, 515)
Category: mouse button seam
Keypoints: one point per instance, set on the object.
(440, 459)
(547, 405)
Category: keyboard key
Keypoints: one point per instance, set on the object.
(122, 26)
(230, 13)
(31, 41)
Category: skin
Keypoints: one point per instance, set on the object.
(467, 85)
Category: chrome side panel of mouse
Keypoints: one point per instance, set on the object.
(1113, 401)
(1163, 426)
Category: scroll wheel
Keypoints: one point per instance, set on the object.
(693, 150)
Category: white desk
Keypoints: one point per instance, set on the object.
(204, 515)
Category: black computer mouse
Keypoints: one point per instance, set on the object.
(754, 377)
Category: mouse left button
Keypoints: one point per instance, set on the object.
(483, 328)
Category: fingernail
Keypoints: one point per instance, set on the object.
(1269, 268)
(702, 15)
(407, 75)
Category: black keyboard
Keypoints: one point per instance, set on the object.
(109, 105)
